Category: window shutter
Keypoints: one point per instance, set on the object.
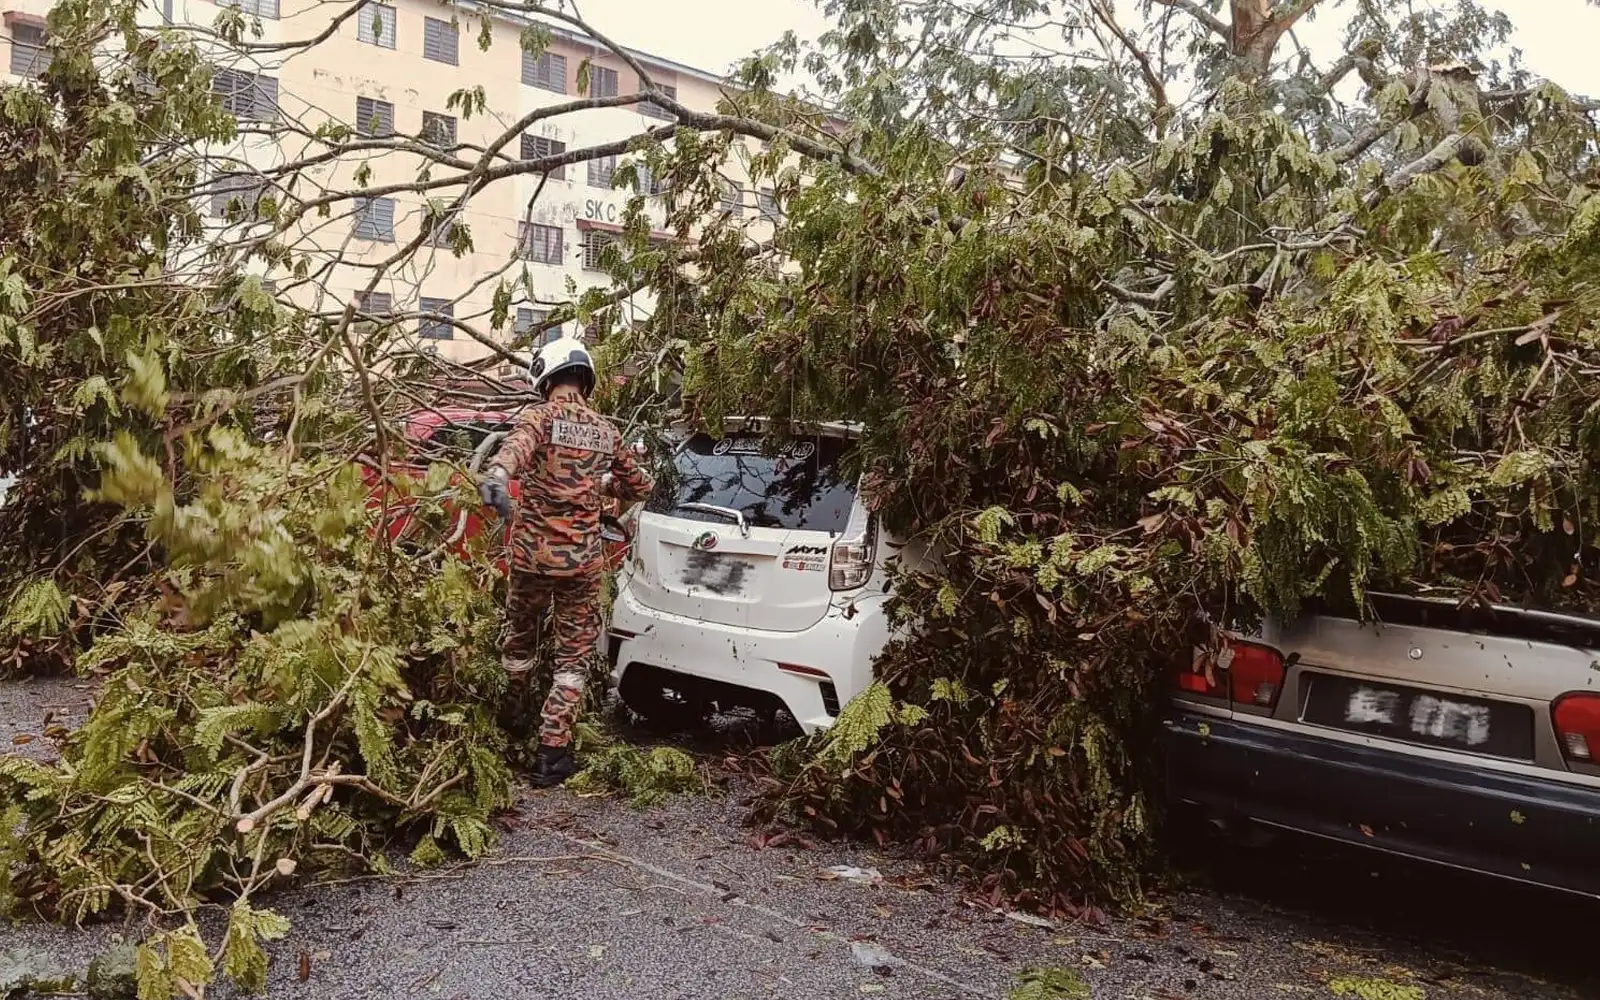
(767, 204)
(439, 227)
(241, 191)
(536, 147)
(376, 303)
(375, 219)
(601, 170)
(436, 329)
(440, 41)
(594, 243)
(649, 183)
(547, 71)
(732, 198)
(655, 110)
(266, 98)
(246, 96)
(528, 317)
(438, 129)
(375, 25)
(374, 118)
(267, 10)
(540, 243)
(29, 57)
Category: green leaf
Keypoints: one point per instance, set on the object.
(146, 386)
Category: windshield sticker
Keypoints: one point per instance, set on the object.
(584, 437)
(797, 450)
(806, 558)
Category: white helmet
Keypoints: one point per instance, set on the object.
(563, 354)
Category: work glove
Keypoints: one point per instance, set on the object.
(494, 493)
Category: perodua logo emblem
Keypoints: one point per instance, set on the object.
(706, 541)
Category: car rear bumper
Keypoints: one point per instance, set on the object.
(840, 647)
(1543, 832)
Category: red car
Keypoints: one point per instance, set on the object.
(467, 436)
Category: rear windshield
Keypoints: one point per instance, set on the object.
(456, 441)
(802, 486)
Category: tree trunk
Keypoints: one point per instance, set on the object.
(1257, 30)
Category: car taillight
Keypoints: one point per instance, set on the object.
(1198, 681)
(1248, 672)
(850, 566)
(1255, 673)
(850, 563)
(1577, 720)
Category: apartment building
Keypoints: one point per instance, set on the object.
(391, 68)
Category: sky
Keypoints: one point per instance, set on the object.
(1558, 37)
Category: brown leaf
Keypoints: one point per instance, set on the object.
(22, 739)
(305, 965)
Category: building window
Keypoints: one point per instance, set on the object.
(649, 183)
(374, 118)
(267, 10)
(537, 147)
(29, 57)
(601, 171)
(438, 129)
(547, 71)
(767, 205)
(440, 41)
(379, 304)
(528, 318)
(541, 244)
(375, 219)
(732, 198)
(439, 226)
(437, 326)
(602, 82)
(236, 195)
(247, 96)
(655, 110)
(375, 25)
(594, 243)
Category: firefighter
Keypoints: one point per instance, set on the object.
(567, 457)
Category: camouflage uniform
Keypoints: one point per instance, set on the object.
(560, 450)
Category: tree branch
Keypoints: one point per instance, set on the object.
(1199, 13)
(1158, 90)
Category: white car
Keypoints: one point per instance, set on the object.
(757, 579)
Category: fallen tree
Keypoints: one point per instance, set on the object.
(1132, 367)
(1123, 358)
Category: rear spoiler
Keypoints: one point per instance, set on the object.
(1503, 620)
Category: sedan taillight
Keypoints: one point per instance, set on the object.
(1248, 672)
(1577, 721)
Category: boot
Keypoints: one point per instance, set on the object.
(552, 766)
(518, 715)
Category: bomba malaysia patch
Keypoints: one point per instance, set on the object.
(584, 437)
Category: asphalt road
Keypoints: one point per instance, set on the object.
(588, 898)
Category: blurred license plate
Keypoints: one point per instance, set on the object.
(1418, 716)
(723, 575)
